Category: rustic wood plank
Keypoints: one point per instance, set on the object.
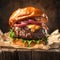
(29, 54)
(45, 55)
(24, 54)
(8, 54)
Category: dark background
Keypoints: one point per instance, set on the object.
(51, 7)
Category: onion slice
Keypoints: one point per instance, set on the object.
(20, 25)
(24, 23)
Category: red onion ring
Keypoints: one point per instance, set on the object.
(24, 23)
(34, 22)
(20, 25)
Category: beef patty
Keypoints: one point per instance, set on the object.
(26, 33)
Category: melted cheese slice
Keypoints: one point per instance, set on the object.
(33, 27)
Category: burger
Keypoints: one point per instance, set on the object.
(28, 27)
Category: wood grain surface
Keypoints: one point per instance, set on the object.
(29, 54)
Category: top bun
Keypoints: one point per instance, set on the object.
(27, 12)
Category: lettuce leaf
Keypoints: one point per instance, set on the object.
(12, 34)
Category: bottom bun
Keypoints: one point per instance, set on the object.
(20, 44)
(23, 44)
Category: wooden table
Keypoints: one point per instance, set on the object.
(29, 54)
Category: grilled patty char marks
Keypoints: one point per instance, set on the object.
(26, 33)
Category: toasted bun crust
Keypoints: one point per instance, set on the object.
(27, 12)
